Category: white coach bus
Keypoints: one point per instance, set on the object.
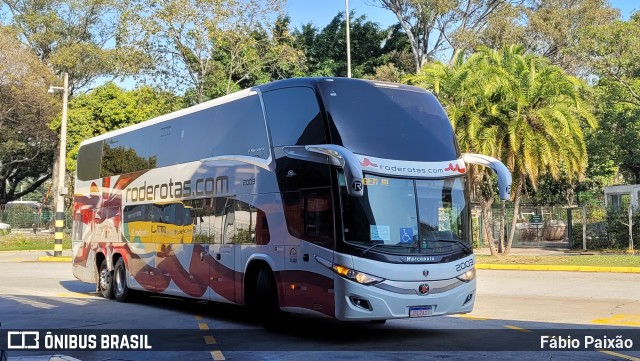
(332, 197)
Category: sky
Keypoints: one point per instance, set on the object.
(320, 12)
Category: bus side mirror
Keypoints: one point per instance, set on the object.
(504, 176)
(345, 159)
(338, 156)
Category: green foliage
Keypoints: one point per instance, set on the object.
(23, 242)
(210, 48)
(612, 55)
(371, 48)
(618, 227)
(516, 107)
(72, 36)
(26, 143)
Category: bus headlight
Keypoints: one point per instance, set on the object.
(467, 276)
(349, 273)
(354, 275)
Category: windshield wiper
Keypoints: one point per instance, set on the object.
(454, 241)
(387, 245)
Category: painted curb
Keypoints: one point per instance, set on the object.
(54, 259)
(537, 267)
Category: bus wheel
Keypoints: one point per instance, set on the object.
(268, 310)
(120, 289)
(105, 280)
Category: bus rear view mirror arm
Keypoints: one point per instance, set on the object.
(334, 155)
(504, 176)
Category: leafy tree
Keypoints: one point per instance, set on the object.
(371, 47)
(194, 45)
(518, 108)
(434, 26)
(611, 50)
(26, 143)
(73, 36)
(554, 28)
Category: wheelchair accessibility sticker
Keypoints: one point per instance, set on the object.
(406, 235)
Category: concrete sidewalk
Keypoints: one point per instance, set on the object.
(549, 252)
(47, 256)
(34, 256)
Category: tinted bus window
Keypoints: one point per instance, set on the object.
(309, 215)
(389, 122)
(294, 117)
(239, 129)
(89, 158)
(165, 143)
(195, 138)
(126, 153)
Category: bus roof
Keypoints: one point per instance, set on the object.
(278, 84)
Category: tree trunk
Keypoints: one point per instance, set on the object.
(487, 222)
(456, 53)
(516, 206)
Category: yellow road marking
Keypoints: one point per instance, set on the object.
(474, 318)
(209, 340)
(199, 318)
(73, 295)
(621, 319)
(217, 355)
(622, 356)
(517, 328)
(203, 326)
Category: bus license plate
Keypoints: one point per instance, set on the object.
(422, 311)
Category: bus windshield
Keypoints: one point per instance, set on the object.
(406, 216)
(389, 122)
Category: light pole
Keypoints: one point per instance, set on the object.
(62, 190)
(346, 6)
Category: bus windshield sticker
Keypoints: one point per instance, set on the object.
(380, 233)
(406, 235)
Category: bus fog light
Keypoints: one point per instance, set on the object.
(468, 276)
(361, 303)
(468, 299)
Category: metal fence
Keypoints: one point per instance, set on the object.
(588, 226)
(536, 226)
(28, 218)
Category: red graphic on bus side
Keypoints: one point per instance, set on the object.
(368, 163)
(454, 168)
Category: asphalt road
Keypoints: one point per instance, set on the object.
(513, 309)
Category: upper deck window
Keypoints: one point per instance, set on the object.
(294, 116)
(388, 122)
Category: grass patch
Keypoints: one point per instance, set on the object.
(19, 242)
(605, 260)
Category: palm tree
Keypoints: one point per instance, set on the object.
(520, 109)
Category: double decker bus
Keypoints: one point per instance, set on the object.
(332, 197)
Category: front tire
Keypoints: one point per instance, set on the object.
(105, 280)
(121, 291)
(267, 304)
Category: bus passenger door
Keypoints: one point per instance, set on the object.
(310, 218)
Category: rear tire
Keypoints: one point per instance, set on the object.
(121, 291)
(105, 280)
